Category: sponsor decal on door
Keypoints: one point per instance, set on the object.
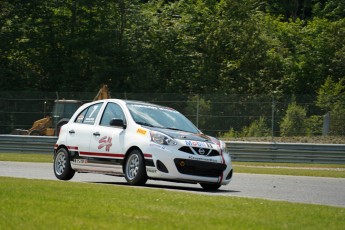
(105, 142)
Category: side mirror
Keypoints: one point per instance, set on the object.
(118, 123)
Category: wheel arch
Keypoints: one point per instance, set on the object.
(59, 124)
(70, 154)
(63, 147)
(127, 153)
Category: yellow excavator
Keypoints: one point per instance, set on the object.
(103, 93)
(62, 112)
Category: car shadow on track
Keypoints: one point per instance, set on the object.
(178, 187)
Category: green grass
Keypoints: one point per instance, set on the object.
(294, 169)
(26, 157)
(38, 204)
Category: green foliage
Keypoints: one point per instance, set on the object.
(330, 94)
(206, 46)
(230, 134)
(293, 124)
(331, 97)
(194, 47)
(337, 126)
(257, 128)
(332, 9)
(290, 10)
(314, 125)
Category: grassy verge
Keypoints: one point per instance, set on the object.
(292, 169)
(26, 157)
(37, 204)
(320, 170)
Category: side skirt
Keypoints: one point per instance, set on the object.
(98, 165)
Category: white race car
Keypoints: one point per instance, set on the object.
(139, 141)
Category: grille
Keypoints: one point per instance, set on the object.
(199, 168)
(196, 151)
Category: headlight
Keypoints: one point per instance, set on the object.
(162, 139)
(222, 145)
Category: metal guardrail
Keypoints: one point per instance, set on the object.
(287, 152)
(26, 144)
(240, 151)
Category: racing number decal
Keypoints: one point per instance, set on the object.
(94, 109)
(105, 142)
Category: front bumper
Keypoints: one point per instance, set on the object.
(199, 168)
(170, 163)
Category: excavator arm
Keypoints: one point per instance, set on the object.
(103, 93)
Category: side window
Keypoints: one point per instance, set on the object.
(89, 115)
(81, 116)
(112, 111)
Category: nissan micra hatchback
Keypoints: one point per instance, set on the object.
(139, 141)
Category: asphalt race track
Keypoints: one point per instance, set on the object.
(311, 190)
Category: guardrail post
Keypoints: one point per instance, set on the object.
(272, 125)
(197, 110)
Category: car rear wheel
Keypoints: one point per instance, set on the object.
(210, 187)
(135, 172)
(62, 165)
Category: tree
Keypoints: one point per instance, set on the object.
(257, 128)
(289, 9)
(330, 94)
(293, 124)
(331, 97)
(186, 46)
(331, 9)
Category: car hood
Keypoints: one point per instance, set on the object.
(183, 135)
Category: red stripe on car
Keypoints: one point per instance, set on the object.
(223, 162)
(72, 147)
(118, 155)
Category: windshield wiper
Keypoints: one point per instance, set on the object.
(144, 123)
(175, 129)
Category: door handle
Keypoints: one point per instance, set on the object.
(71, 131)
(96, 134)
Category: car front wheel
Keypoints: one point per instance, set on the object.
(210, 187)
(62, 165)
(135, 172)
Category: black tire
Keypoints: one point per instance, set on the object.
(62, 165)
(210, 187)
(134, 168)
(59, 125)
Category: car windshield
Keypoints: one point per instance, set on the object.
(160, 117)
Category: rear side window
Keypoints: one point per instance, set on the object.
(89, 115)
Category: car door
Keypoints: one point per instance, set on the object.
(107, 141)
(80, 131)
